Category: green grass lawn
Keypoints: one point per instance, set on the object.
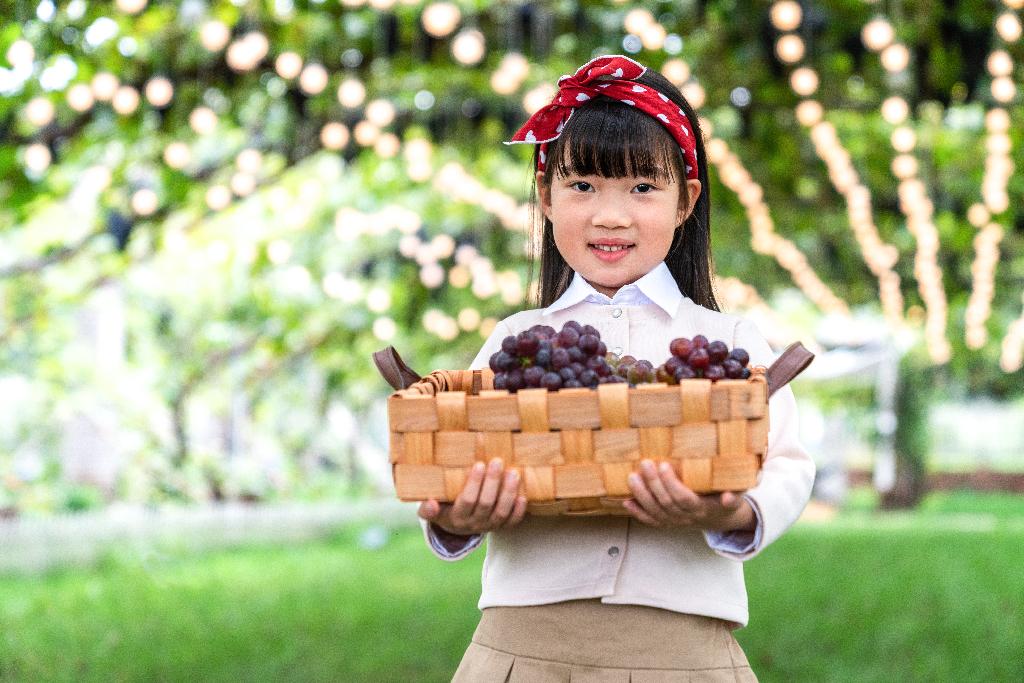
(865, 599)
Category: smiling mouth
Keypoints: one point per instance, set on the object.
(611, 247)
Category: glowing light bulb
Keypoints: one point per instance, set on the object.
(203, 120)
(21, 53)
(895, 110)
(1000, 63)
(789, 48)
(440, 18)
(895, 58)
(145, 202)
(126, 100)
(177, 155)
(380, 112)
(786, 15)
(39, 111)
(334, 135)
(37, 157)
(1008, 27)
(288, 65)
(214, 35)
(351, 93)
(809, 113)
(104, 85)
(804, 81)
(468, 47)
(877, 34)
(314, 79)
(676, 70)
(159, 91)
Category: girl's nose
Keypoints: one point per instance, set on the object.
(611, 212)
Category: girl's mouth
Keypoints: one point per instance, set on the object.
(610, 253)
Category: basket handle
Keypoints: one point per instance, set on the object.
(393, 369)
(787, 366)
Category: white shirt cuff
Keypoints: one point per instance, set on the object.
(452, 554)
(737, 542)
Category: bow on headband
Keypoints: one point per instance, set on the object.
(613, 76)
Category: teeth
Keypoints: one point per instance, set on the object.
(608, 247)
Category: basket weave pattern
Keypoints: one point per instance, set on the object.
(575, 448)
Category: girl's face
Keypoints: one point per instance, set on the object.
(613, 231)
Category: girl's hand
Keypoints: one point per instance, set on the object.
(486, 503)
(661, 499)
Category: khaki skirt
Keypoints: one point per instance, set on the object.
(587, 640)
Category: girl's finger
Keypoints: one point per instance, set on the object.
(657, 487)
(518, 512)
(731, 500)
(644, 498)
(685, 499)
(638, 512)
(463, 507)
(429, 509)
(489, 491)
(506, 499)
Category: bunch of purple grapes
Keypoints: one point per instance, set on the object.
(698, 357)
(542, 358)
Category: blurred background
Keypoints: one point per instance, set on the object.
(212, 212)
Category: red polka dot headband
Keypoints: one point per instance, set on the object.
(613, 76)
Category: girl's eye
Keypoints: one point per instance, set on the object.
(646, 185)
(581, 182)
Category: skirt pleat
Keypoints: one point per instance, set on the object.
(586, 641)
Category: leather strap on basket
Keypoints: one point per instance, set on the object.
(787, 366)
(393, 369)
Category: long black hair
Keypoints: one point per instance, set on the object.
(607, 138)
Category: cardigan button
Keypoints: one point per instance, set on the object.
(617, 312)
(613, 551)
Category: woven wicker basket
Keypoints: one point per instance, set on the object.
(575, 448)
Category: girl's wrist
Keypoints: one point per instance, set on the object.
(742, 519)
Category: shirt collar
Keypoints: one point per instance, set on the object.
(657, 287)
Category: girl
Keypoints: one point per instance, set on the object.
(624, 246)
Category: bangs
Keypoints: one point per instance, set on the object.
(610, 139)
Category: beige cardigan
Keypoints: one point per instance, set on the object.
(619, 559)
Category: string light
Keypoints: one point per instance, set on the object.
(39, 111)
(764, 239)
(126, 100)
(440, 18)
(789, 48)
(159, 91)
(104, 85)
(144, 202)
(177, 155)
(21, 54)
(786, 15)
(469, 46)
(998, 169)
(214, 35)
(1012, 347)
(877, 34)
(380, 113)
(879, 256)
(313, 79)
(80, 97)
(202, 120)
(510, 74)
(334, 135)
(37, 157)
(288, 65)
(351, 93)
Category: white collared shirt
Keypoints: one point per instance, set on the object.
(657, 287)
(618, 559)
